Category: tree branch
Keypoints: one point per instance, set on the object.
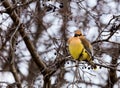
(29, 44)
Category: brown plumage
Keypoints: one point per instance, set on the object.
(80, 48)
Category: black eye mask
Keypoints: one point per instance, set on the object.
(77, 35)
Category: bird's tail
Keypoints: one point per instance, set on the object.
(93, 66)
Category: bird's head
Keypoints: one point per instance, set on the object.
(77, 33)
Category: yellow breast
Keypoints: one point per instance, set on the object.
(75, 47)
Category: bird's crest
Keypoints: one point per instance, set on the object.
(77, 33)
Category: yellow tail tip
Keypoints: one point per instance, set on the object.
(94, 67)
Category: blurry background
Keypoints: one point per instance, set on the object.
(49, 24)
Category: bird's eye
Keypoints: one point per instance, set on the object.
(80, 34)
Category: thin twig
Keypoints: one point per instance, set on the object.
(11, 40)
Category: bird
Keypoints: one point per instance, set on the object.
(80, 48)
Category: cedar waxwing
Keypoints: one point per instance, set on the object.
(80, 48)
